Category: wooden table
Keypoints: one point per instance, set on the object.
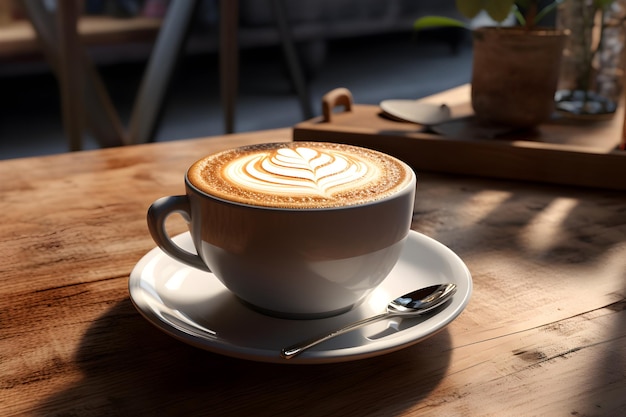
(544, 333)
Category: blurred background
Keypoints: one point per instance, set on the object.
(368, 47)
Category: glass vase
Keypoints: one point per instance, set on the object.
(592, 70)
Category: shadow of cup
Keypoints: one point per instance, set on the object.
(131, 368)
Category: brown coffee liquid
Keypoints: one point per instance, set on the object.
(300, 175)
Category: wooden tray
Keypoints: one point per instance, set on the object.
(560, 152)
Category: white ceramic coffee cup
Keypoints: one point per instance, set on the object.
(291, 262)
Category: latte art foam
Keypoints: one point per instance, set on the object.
(299, 175)
(300, 171)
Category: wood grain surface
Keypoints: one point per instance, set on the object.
(544, 333)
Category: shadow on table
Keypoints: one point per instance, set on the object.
(540, 223)
(131, 368)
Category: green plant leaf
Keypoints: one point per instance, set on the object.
(499, 10)
(551, 7)
(470, 8)
(437, 21)
(521, 19)
(601, 4)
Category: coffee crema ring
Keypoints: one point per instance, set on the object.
(299, 175)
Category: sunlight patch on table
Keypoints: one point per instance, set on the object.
(546, 228)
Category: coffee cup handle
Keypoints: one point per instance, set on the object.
(158, 213)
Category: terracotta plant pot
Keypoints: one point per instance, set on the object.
(515, 74)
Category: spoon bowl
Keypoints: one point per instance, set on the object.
(411, 304)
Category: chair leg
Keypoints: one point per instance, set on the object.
(170, 42)
(70, 73)
(291, 56)
(99, 113)
(229, 60)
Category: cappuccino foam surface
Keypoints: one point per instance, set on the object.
(300, 175)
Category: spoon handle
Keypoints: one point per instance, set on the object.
(294, 350)
(409, 305)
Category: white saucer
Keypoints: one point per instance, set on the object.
(195, 307)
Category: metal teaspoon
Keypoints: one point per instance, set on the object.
(409, 305)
